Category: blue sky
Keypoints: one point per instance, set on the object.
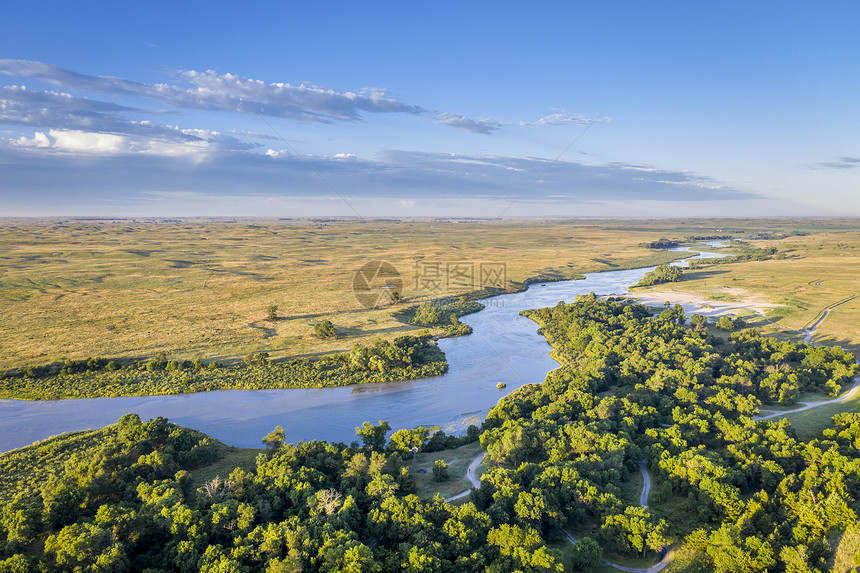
(485, 109)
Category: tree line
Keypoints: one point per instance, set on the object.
(735, 494)
(407, 357)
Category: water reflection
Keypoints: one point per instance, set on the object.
(504, 347)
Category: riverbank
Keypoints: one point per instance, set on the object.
(503, 343)
(407, 358)
(729, 302)
(128, 378)
(819, 270)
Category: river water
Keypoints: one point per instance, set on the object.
(504, 347)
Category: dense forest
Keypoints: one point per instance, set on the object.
(407, 357)
(732, 493)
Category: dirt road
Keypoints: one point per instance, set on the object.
(470, 473)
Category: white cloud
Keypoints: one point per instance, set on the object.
(100, 144)
(88, 142)
(196, 150)
(482, 125)
(841, 163)
(38, 140)
(254, 134)
(214, 91)
(105, 122)
(119, 173)
(210, 90)
(564, 118)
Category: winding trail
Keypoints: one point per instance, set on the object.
(665, 555)
(854, 390)
(810, 330)
(646, 483)
(807, 337)
(470, 473)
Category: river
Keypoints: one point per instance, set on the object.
(504, 347)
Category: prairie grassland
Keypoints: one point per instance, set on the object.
(200, 288)
(820, 269)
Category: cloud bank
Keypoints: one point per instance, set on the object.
(47, 169)
(103, 144)
(212, 91)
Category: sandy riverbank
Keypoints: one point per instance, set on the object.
(696, 303)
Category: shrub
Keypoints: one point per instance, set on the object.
(325, 329)
(440, 471)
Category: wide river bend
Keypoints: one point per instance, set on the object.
(504, 347)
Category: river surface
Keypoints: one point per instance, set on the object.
(504, 347)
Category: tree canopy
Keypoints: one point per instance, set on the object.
(741, 494)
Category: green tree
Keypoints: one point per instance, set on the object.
(274, 439)
(524, 547)
(272, 312)
(428, 314)
(404, 440)
(440, 471)
(373, 436)
(17, 564)
(21, 519)
(585, 556)
(256, 359)
(661, 274)
(635, 529)
(325, 329)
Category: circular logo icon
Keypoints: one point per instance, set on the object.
(377, 283)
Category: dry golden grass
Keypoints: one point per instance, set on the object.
(200, 288)
(820, 269)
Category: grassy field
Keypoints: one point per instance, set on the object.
(809, 423)
(819, 269)
(458, 461)
(631, 489)
(201, 288)
(245, 458)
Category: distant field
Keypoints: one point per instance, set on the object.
(201, 288)
(820, 269)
